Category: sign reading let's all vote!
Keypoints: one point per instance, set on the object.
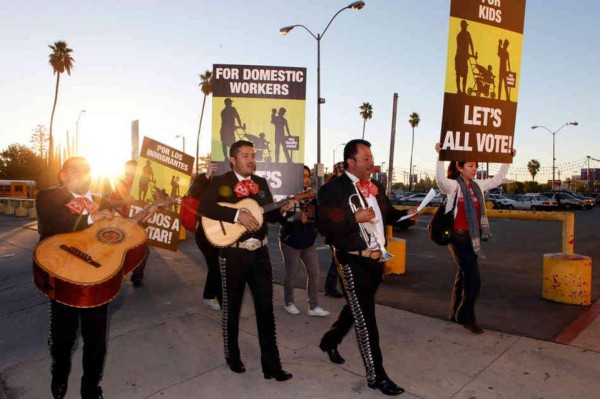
(482, 80)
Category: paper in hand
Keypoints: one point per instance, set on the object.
(430, 195)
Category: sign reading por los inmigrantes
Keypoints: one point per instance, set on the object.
(482, 80)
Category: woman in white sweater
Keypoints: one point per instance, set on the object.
(470, 227)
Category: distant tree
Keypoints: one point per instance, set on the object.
(61, 61)
(534, 167)
(39, 141)
(515, 187)
(366, 112)
(414, 122)
(206, 89)
(532, 187)
(20, 162)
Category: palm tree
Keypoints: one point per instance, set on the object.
(414, 122)
(533, 166)
(366, 112)
(206, 88)
(61, 61)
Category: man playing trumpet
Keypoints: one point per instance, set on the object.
(352, 214)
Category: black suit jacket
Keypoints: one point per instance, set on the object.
(335, 219)
(220, 189)
(53, 215)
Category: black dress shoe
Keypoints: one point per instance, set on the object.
(334, 294)
(59, 390)
(236, 366)
(387, 387)
(474, 328)
(93, 393)
(279, 375)
(334, 355)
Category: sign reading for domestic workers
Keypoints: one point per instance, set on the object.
(264, 105)
(482, 80)
(163, 175)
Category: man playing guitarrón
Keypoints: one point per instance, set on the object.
(247, 260)
(66, 209)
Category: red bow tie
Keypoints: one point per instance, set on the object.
(246, 187)
(367, 188)
(80, 204)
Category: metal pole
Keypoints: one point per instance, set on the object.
(553, 159)
(318, 182)
(392, 144)
(588, 178)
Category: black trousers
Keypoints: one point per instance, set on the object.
(467, 282)
(332, 277)
(360, 277)
(212, 286)
(238, 268)
(64, 321)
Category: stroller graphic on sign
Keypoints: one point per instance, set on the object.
(483, 79)
(261, 145)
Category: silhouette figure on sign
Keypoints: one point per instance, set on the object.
(504, 68)
(463, 44)
(281, 126)
(229, 116)
(145, 179)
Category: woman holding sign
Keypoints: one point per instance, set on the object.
(465, 198)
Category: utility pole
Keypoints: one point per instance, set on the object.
(392, 143)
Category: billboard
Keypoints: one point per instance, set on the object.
(482, 80)
(265, 105)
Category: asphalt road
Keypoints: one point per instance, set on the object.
(511, 294)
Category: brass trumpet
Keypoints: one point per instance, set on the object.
(368, 230)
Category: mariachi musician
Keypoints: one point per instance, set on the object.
(247, 260)
(352, 214)
(66, 209)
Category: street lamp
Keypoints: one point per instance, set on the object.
(77, 132)
(338, 146)
(182, 137)
(553, 143)
(357, 5)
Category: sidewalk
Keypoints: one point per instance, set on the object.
(165, 344)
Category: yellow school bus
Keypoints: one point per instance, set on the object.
(18, 189)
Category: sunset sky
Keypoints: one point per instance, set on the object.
(141, 60)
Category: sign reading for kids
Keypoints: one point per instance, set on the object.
(482, 86)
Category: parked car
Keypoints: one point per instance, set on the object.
(588, 202)
(535, 202)
(565, 200)
(502, 202)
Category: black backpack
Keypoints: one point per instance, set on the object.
(441, 225)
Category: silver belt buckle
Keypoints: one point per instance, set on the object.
(252, 244)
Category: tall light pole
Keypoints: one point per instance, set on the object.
(588, 177)
(338, 146)
(182, 137)
(553, 144)
(77, 133)
(357, 5)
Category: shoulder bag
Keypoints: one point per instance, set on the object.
(441, 225)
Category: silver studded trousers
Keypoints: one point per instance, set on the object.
(360, 279)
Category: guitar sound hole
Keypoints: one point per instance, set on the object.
(110, 235)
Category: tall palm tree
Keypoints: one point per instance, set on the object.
(61, 61)
(414, 122)
(533, 166)
(206, 88)
(366, 112)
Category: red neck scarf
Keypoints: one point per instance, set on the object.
(367, 188)
(244, 188)
(80, 204)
